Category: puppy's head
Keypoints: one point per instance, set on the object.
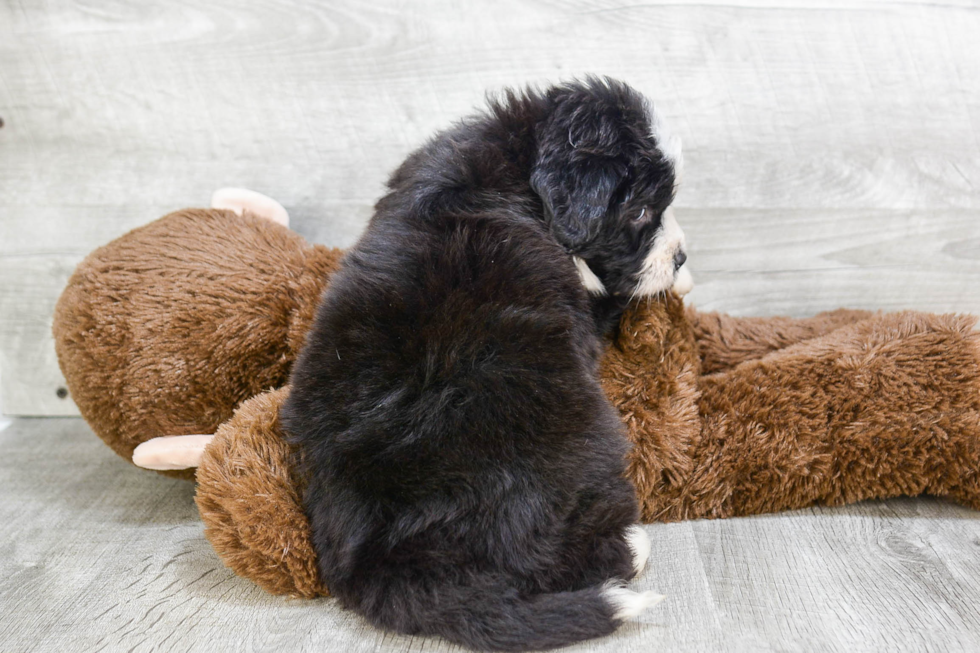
(606, 172)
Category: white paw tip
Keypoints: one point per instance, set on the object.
(242, 199)
(639, 543)
(627, 604)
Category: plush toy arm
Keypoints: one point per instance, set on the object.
(889, 406)
(171, 452)
(248, 496)
(725, 341)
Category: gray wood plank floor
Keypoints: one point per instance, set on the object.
(96, 555)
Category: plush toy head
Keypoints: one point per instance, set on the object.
(167, 329)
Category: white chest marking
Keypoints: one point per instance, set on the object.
(591, 282)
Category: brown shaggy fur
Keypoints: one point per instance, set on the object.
(726, 341)
(169, 328)
(884, 406)
(266, 536)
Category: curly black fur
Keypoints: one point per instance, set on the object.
(465, 472)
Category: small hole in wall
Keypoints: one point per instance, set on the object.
(61, 392)
(1, 122)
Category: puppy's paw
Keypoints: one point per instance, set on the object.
(639, 543)
(627, 604)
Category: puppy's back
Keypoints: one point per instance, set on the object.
(442, 336)
(446, 409)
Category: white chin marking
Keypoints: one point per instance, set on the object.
(591, 282)
(684, 282)
(639, 543)
(657, 273)
(625, 603)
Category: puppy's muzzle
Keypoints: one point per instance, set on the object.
(679, 259)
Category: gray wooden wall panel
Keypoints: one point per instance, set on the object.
(833, 152)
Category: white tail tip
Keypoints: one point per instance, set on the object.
(627, 604)
(242, 199)
(639, 543)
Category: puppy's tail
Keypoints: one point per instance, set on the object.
(489, 616)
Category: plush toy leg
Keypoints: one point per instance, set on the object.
(249, 500)
(248, 497)
(885, 407)
(725, 341)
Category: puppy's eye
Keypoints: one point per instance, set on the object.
(643, 218)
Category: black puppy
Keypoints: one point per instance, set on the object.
(465, 471)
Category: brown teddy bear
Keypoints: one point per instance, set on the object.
(189, 325)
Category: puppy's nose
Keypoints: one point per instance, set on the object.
(679, 259)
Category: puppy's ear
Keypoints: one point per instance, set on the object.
(576, 196)
(579, 169)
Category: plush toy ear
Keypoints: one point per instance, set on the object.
(576, 193)
(171, 452)
(242, 199)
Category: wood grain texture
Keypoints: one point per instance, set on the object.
(801, 261)
(792, 114)
(31, 382)
(96, 555)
